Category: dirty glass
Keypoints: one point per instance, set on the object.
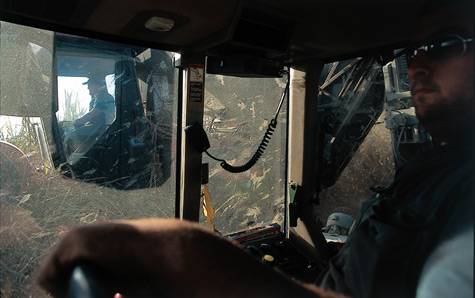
(372, 165)
(75, 100)
(237, 114)
(84, 113)
(127, 171)
(371, 161)
(114, 112)
(350, 100)
(408, 136)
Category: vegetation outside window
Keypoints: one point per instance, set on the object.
(86, 131)
(237, 113)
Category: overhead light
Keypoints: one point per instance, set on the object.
(159, 24)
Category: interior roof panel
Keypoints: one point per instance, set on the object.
(197, 21)
(317, 29)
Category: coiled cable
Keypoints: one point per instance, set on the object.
(263, 144)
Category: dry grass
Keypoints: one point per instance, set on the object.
(31, 222)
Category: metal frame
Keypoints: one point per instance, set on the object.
(179, 135)
(302, 157)
(188, 203)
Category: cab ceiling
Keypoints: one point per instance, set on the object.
(287, 31)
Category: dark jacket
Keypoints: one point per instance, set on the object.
(430, 201)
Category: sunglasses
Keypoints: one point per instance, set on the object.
(439, 49)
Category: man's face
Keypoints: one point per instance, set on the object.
(93, 88)
(442, 88)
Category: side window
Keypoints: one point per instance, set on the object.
(409, 138)
(373, 156)
(116, 107)
(86, 108)
(357, 150)
(372, 165)
(74, 98)
(123, 168)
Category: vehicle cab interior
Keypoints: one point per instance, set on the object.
(240, 115)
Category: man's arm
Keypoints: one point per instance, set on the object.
(95, 116)
(170, 258)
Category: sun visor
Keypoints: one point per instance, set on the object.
(26, 64)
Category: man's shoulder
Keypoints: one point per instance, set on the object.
(451, 263)
(105, 96)
(104, 100)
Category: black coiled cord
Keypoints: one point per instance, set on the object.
(262, 146)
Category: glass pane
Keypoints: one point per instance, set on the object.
(237, 113)
(371, 166)
(84, 113)
(124, 167)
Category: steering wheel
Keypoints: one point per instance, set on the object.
(86, 283)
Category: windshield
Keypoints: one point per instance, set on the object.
(237, 114)
(86, 135)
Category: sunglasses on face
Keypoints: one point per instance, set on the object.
(439, 49)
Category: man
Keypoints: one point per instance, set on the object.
(413, 242)
(102, 105)
(419, 235)
(93, 124)
(443, 94)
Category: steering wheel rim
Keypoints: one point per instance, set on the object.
(85, 283)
